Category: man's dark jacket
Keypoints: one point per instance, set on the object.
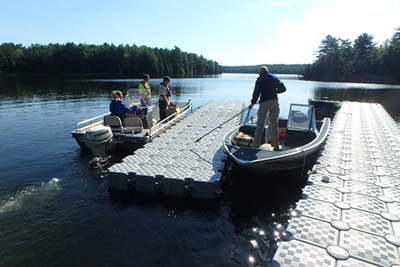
(268, 85)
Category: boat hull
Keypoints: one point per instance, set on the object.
(277, 162)
(262, 160)
(124, 144)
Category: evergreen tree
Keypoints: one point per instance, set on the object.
(345, 67)
(364, 54)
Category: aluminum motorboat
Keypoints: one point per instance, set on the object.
(300, 138)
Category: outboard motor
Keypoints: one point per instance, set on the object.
(99, 140)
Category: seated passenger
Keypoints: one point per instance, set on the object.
(119, 108)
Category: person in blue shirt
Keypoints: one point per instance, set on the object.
(119, 108)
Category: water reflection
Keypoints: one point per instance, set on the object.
(244, 227)
(201, 90)
(260, 208)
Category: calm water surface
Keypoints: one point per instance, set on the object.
(56, 210)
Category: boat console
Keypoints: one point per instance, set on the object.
(301, 127)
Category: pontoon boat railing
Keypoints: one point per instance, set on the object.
(91, 121)
(170, 120)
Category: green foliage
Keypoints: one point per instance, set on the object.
(360, 61)
(274, 68)
(105, 60)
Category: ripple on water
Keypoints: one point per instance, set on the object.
(30, 196)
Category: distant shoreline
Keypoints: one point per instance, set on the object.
(360, 79)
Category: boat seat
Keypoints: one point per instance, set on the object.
(114, 122)
(133, 125)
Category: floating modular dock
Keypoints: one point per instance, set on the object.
(174, 164)
(349, 211)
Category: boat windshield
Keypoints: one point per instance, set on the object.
(301, 117)
(138, 97)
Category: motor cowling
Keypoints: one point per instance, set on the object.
(99, 140)
(98, 133)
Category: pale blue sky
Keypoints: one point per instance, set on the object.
(231, 32)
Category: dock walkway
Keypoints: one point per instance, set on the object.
(349, 211)
(174, 164)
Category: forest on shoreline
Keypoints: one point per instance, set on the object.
(106, 60)
(274, 68)
(358, 61)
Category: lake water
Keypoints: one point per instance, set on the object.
(55, 210)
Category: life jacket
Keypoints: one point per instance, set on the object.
(168, 94)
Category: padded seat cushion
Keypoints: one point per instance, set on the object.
(133, 125)
(242, 139)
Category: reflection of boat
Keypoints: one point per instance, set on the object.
(300, 139)
(324, 107)
(107, 134)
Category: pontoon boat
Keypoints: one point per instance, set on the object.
(107, 134)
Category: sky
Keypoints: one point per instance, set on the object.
(231, 32)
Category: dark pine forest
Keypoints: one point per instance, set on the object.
(108, 60)
(358, 61)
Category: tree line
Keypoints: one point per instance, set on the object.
(102, 60)
(358, 61)
(274, 68)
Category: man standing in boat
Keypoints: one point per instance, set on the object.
(268, 86)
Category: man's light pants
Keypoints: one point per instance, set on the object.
(272, 108)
